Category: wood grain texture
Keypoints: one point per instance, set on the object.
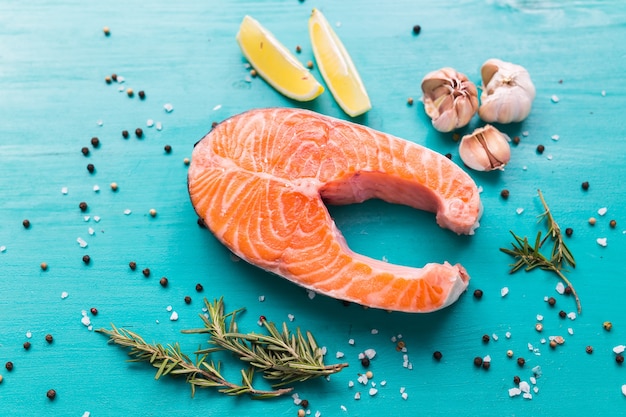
(53, 60)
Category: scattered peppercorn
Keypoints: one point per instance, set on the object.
(589, 349)
(187, 299)
(91, 168)
(153, 212)
(304, 403)
(521, 361)
(213, 125)
(486, 338)
(301, 412)
(612, 224)
(540, 149)
(478, 294)
(125, 134)
(365, 361)
(9, 366)
(509, 353)
(562, 314)
(167, 148)
(369, 374)
(607, 326)
(106, 30)
(504, 193)
(262, 319)
(553, 343)
(567, 290)
(309, 64)
(551, 301)
(585, 185)
(569, 231)
(539, 327)
(516, 380)
(51, 394)
(107, 79)
(186, 161)
(592, 221)
(141, 94)
(26, 345)
(114, 186)
(132, 265)
(449, 155)
(1, 379)
(163, 281)
(130, 92)
(298, 49)
(516, 140)
(409, 101)
(400, 345)
(86, 259)
(94, 311)
(85, 150)
(417, 29)
(82, 206)
(44, 266)
(114, 77)
(253, 72)
(437, 355)
(619, 358)
(478, 361)
(456, 137)
(138, 132)
(26, 223)
(486, 365)
(49, 338)
(95, 142)
(199, 287)
(201, 223)
(146, 272)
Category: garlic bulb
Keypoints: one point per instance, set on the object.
(450, 99)
(485, 149)
(507, 93)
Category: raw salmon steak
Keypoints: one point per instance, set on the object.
(260, 181)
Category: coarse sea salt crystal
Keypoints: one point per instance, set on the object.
(519, 210)
(217, 107)
(504, 291)
(532, 380)
(149, 122)
(64, 190)
(560, 288)
(507, 335)
(343, 408)
(539, 317)
(339, 355)
(261, 298)
(373, 391)
(91, 231)
(64, 295)
(127, 212)
(291, 317)
(357, 395)
(374, 331)
(624, 389)
(494, 337)
(513, 392)
(524, 386)
(404, 395)
(370, 353)
(527, 395)
(554, 98)
(351, 342)
(29, 334)
(555, 137)
(96, 219)
(601, 241)
(310, 294)
(86, 218)
(362, 379)
(350, 384)
(318, 413)
(169, 308)
(96, 188)
(85, 320)
(570, 330)
(174, 316)
(602, 211)
(82, 242)
(86, 414)
(3, 248)
(168, 107)
(159, 126)
(571, 315)
(619, 349)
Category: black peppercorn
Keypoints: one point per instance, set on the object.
(516, 380)
(437, 355)
(562, 314)
(132, 265)
(94, 311)
(167, 148)
(589, 349)
(612, 224)
(585, 185)
(114, 77)
(365, 361)
(304, 403)
(9, 366)
(521, 361)
(567, 290)
(199, 287)
(86, 259)
(26, 223)
(449, 155)
(141, 94)
(91, 168)
(478, 294)
(486, 365)
(138, 132)
(51, 394)
(49, 338)
(486, 338)
(551, 301)
(163, 281)
(478, 361)
(95, 142)
(619, 358)
(540, 149)
(187, 299)
(125, 134)
(417, 29)
(26, 345)
(85, 150)
(504, 194)
(516, 140)
(82, 206)
(569, 231)
(146, 272)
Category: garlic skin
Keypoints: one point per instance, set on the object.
(450, 99)
(507, 92)
(485, 149)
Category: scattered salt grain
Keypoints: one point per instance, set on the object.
(603, 93)
(159, 126)
(570, 330)
(169, 308)
(91, 231)
(127, 212)
(504, 291)
(29, 334)
(120, 79)
(343, 408)
(96, 219)
(318, 414)
(310, 294)
(624, 389)
(555, 137)
(383, 383)
(535, 389)
(539, 317)
(602, 211)
(87, 218)
(174, 316)
(350, 384)
(339, 355)
(373, 391)
(3, 248)
(217, 107)
(519, 210)
(487, 358)
(619, 349)
(370, 353)
(362, 379)
(404, 395)
(357, 395)
(149, 122)
(100, 123)
(513, 392)
(536, 371)
(82, 242)
(527, 395)
(351, 342)
(524, 386)
(64, 190)
(549, 157)
(560, 288)
(85, 320)
(296, 399)
(168, 107)
(525, 133)
(64, 295)
(96, 188)
(554, 98)
(261, 298)
(507, 335)
(494, 337)
(533, 380)
(374, 331)
(86, 414)
(571, 315)
(601, 241)
(291, 317)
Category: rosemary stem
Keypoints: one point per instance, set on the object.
(574, 293)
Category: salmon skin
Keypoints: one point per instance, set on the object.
(260, 181)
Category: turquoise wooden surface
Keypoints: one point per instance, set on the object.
(53, 60)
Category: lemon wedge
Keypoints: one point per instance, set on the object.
(275, 63)
(336, 67)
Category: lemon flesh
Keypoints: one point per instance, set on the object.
(336, 67)
(275, 63)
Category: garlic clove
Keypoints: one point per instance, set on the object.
(485, 149)
(450, 99)
(507, 92)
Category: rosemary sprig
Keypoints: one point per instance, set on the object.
(530, 256)
(279, 356)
